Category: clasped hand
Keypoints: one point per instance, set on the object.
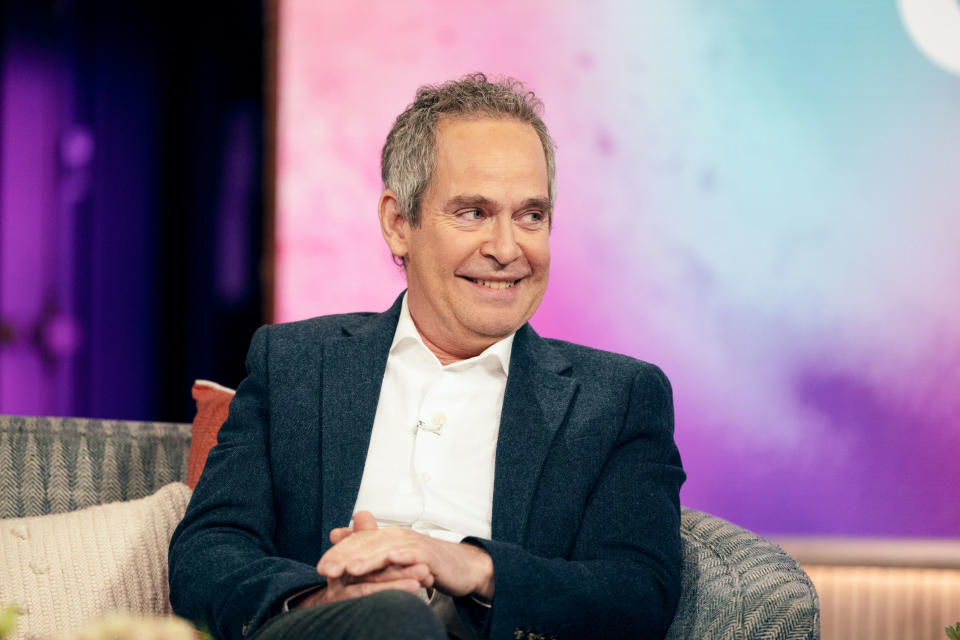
(365, 559)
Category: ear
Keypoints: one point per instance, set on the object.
(393, 224)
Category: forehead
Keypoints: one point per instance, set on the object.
(489, 152)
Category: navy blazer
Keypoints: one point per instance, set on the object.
(585, 530)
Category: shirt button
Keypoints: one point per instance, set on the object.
(425, 477)
(439, 420)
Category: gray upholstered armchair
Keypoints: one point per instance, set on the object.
(739, 586)
(736, 585)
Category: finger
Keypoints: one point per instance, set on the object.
(338, 534)
(362, 566)
(352, 565)
(364, 521)
(329, 568)
(337, 590)
(419, 572)
(405, 557)
(352, 550)
(365, 551)
(366, 588)
(423, 574)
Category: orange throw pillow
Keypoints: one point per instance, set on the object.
(213, 404)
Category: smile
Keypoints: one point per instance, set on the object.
(494, 284)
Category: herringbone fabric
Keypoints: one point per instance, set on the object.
(53, 465)
(738, 586)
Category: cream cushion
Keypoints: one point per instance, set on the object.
(64, 569)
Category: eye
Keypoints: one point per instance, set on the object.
(533, 218)
(471, 215)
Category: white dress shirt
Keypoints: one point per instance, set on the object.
(430, 463)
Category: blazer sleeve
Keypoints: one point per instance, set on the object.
(622, 578)
(224, 569)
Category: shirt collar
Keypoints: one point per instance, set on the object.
(407, 334)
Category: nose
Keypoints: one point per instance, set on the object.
(502, 245)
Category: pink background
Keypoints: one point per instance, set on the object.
(760, 199)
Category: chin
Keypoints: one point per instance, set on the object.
(498, 329)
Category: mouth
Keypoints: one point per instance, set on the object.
(493, 284)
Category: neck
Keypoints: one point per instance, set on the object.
(448, 354)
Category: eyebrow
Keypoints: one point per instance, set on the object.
(458, 202)
(536, 203)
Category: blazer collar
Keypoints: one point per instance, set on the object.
(353, 366)
(539, 392)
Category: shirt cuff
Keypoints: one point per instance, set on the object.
(299, 594)
(483, 602)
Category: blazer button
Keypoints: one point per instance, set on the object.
(518, 634)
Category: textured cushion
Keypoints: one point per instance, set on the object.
(52, 465)
(66, 568)
(739, 586)
(213, 402)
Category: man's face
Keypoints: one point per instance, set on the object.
(478, 263)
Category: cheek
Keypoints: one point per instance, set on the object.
(433, 254)
(540, 256)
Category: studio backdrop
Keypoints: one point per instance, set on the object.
(761, 198)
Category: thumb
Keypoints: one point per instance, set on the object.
(364, 521)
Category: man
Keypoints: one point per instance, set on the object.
(530, 485)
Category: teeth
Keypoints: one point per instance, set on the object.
(497, 284)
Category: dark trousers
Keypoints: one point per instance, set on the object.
(387, 614)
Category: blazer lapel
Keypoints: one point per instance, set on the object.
(535, 403)
(353, 367)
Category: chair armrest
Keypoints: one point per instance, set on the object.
(740, 586)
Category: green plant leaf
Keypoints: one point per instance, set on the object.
(953, 632)
(8, 620)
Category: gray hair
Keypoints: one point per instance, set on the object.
(409, 154)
